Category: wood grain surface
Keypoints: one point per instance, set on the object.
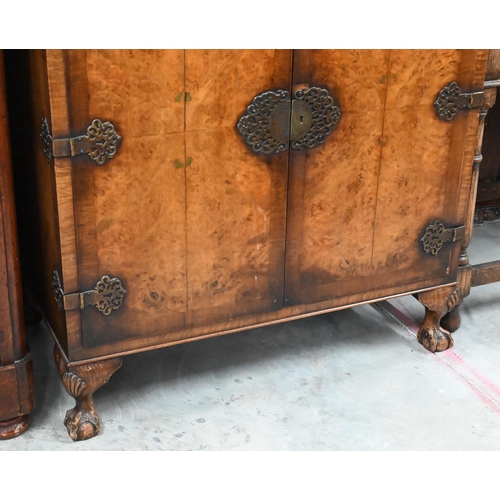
(186, 216)
(359, 204)
(493, 66)
(12, 339)
(486, 273)
(195, 224)
(45, 240)
(334, 186)
(236, 200)
(133, 345)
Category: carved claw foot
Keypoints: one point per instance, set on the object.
(434, 338)
(82, 423)
(437, 304)
(81, 382)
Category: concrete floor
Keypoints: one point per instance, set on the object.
(351, 380)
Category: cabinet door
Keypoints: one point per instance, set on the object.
(359, 204)
(186, 216)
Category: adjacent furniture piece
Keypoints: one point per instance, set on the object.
(488, 197)
(186, 194)
(488, 272)
(16, 366)
(488, 190)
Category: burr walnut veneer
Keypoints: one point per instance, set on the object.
(187, 194)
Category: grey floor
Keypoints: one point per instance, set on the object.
(351, 380)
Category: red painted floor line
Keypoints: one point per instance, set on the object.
(482, 387)
(399, 315)
(455, 358)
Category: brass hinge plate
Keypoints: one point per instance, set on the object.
(436, 235)
(451, 99)
(101, 142)
(107, 295)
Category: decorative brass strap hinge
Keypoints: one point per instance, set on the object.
(451, 99)
(273, 120)
(436, 235)
(107, 295)
(101, 142)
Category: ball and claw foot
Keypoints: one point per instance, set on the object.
(438, 304)
(81, 381)
(82, 424)
(435, 339)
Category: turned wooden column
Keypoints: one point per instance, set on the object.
(16, 366)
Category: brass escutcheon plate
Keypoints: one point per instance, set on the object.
(273, 121)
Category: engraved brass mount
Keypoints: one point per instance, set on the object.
(107, 295)
(101, 142)
(436, 235)
(451, 99)
(273, 120)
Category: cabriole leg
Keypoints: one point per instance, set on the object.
(437, 303)
(452, 320)
(81, 382)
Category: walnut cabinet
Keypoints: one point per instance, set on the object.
(189, 193)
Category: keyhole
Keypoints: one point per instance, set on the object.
(301, 118)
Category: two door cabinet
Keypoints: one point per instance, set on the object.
(183, 194)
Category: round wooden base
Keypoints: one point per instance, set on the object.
(11, 428)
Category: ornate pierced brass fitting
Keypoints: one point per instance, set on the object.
(107, 295)
(436, 235)
(273, 120)
(58, 291)
(451, 99)
(101, 142)
(266, 125)
(314, 114)
(46, 139)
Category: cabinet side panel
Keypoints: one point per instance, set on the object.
(44, 240)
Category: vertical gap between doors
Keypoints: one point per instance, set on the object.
(185, 195)
(289, 155)
(380, 156)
